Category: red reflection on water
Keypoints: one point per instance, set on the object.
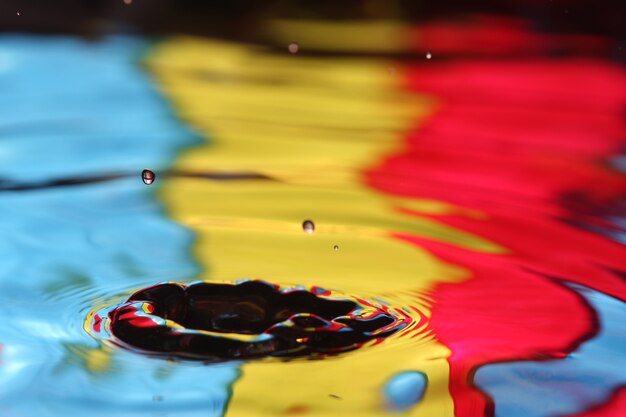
(489, 35)
(512, 139)
(97, 323)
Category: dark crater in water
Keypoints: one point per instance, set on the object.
(253, 319)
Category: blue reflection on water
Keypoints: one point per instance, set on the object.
(567, 386)
(69, 108)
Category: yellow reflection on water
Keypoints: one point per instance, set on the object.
(345, 35)
(312, 125)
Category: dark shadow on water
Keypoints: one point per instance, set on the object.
(9, 185)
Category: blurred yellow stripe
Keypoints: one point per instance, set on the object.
(371, 36)
(312, 125)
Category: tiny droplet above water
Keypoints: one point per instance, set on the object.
(428, 55)
(293, 48)
(308, 226)
(147, 176)
(336, 247)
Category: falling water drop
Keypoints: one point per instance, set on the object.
(293, 48)
(147, 176)
(308, 226)
(428, 55)
(336, 248)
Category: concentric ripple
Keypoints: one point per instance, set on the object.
(248, 319)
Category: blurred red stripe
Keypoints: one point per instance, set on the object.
(512, 139)
(491, 35)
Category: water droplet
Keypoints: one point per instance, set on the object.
(405, 389)
(293, 48)
(336, 247)
(307, 319)
(428, 55)
(18, 13)
(308, 226)
(147, 176)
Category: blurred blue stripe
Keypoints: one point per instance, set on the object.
(71, 108)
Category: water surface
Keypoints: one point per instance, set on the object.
(479, 195)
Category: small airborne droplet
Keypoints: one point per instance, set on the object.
(428, 55)
(147, 176)
(293, 48)
(336, 248)
(308, 226)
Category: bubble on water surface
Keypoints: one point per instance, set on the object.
(148, 176)
(308, 226)
(293, 48)
(405, 389)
